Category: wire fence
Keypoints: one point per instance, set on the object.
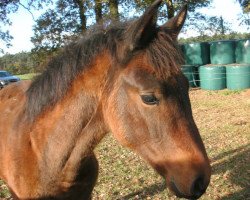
(225, 78)
(245, 73)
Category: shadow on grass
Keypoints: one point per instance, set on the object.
(236, 162)
(147, 191)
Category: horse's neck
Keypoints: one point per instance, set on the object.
(69, 131)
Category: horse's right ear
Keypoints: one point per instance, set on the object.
(143, 30)
(175, 24)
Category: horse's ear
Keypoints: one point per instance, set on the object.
(143, 30)
(175, 24)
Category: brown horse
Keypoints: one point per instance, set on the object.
(124, 79)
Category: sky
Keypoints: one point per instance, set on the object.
(22, 23)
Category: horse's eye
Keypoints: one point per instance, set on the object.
(149, 99)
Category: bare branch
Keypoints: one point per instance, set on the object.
(27, 8)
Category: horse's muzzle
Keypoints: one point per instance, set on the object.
(197, 189)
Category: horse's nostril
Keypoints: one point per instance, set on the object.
(198, 187)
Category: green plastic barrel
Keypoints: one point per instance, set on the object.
(212, 77)
(238, 76)
(196, 53)
(222, 52)
(196, 75)
(188, 71)
(242, 51)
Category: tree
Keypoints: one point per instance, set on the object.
(170, 7)
(210, 26)
(98, 10)
(6, 7)
(63, 24)
(245, 17)
(11, 6)
(113, 8)
(68, 19)
(206, 38)
(57, 26)
(19, 63)
(245, 4)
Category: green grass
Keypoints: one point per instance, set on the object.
(4, 192)
(230, 92)
(27, 76)
(224, 92)
(224, 125)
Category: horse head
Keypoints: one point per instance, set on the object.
(148, 108)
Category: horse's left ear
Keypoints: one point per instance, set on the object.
(175, 24)
(143, 30)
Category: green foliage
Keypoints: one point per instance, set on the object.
(42, 56)
(245, 4)
(27, 62)
(19, 63)
(11, 6)
(231, 92)
(61, 24)
(174, 4)
(206, 38)
(6, 7)
(245, 17)
(67, 20)
(4, 192)
(170, 7)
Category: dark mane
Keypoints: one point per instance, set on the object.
(165, 55)
(49, 87)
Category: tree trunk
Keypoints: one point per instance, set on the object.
(83, 18)
(98, 10)
(222, 31)
(170, 8)
(113, 8)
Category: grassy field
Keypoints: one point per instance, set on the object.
(27, 76)
(223, 118)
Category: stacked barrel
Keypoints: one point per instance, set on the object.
(218, 65)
